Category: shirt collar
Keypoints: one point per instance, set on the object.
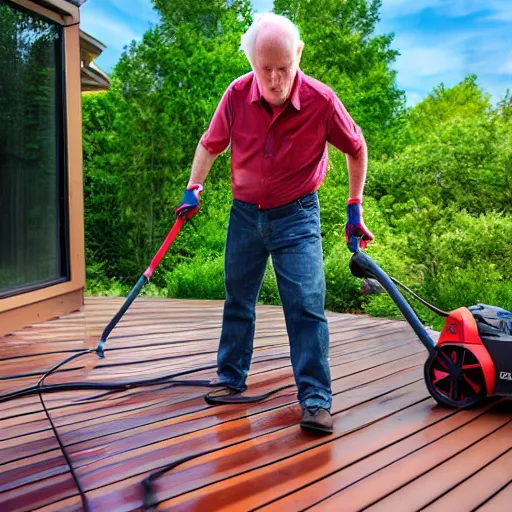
(296, 89)
(256, 95)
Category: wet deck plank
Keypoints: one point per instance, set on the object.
(392, 447)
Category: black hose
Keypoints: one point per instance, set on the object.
(83, 497)
(361, 265)
(236, 398)
(149, 497)
(40, 389)
(122, 310)
(118, 386)
(433, 308)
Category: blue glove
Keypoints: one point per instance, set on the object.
(189, 205)
(355, 228)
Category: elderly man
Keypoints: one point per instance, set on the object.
(278, 122)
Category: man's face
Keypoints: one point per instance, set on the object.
(275, 65)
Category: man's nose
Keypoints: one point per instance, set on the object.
(273, 77)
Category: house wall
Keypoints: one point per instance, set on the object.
(24, 309)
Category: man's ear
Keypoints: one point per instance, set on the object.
(300, 47)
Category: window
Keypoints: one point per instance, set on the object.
(33, 241)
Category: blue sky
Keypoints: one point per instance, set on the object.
(439, 40)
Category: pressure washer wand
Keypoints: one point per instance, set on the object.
(363, 266)
(144, 278)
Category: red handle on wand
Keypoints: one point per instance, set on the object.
(169, 239)
(144, 278)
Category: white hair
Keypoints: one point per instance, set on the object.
(248, 40)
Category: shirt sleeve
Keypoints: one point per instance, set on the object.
(216, 139)
(342, 132)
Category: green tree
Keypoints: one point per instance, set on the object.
(342, 50)
(452, 156)
(439, 184)
(164, 92)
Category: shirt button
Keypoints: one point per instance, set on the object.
(269, 146)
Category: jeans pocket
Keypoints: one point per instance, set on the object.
(310, 202)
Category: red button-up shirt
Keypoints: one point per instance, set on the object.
(279, 154)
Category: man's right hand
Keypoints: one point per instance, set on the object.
(189, 205)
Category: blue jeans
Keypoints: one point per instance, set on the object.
(291, 235)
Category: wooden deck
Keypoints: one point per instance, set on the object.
(392, 449)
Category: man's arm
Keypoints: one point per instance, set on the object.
(356, 233)
(343, 133)
(357, 166)
(346, 136)
(201, 165)
(212, 143)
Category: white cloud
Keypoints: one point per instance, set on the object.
(501, 14)
(112, 32)
(502, 9)
(507, 67)
(426, 61)
(413, 98)
(142, 9)
(263, 5)
(395, 8)
(462, 45)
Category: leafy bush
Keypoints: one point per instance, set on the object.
(200, 279)
(439, 188)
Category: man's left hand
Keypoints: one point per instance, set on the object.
(355, 228)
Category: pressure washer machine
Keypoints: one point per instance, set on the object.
(472, 358)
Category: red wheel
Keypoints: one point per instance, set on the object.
(454, 377)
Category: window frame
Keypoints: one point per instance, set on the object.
(43, 304)
(62, 167)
